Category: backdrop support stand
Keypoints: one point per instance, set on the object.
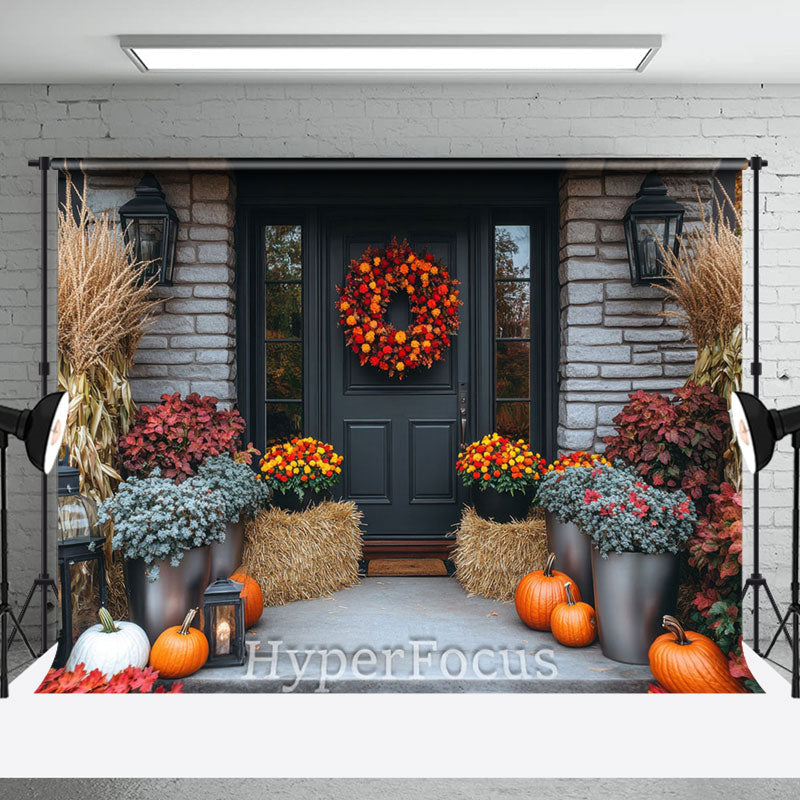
(757, 581)
(43, 582)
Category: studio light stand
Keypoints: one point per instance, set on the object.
(43, 582)
(757, 581)
(757, 431)
(6, 613)
(42, 429)
(793, 612)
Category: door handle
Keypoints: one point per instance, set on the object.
(462, 412)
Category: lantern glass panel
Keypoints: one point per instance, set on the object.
(223, 625)
(77, 517)
(169, 253)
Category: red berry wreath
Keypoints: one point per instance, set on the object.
(363, 300)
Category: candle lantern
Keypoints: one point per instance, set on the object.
(151, 226)
(81, 562)
(653, 221)
(223, 623)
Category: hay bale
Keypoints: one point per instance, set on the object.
(300, 556)
(491, 557)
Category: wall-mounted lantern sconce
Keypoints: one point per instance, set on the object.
(151, 225)
(652, 218)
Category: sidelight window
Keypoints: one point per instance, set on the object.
(284, 331)
(512, 336)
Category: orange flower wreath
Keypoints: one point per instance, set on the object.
(363, 300)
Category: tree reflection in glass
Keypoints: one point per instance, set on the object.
(283, 271)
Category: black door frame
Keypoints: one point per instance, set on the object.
(282, 196)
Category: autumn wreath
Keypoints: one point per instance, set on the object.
(369, 286)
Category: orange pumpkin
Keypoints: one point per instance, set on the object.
(253, 598)
(180, 650)
(573, 623)
(539, 592)
(686, 661)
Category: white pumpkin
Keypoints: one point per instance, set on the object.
(110, 647)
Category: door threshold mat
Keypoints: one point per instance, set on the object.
(406, 567)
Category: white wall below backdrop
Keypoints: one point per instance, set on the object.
(424, 120)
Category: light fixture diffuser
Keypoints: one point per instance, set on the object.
(386, 54)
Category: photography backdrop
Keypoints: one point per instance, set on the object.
(426, 120)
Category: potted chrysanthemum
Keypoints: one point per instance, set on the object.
(560, 493)
(501, 475)
(300, 472)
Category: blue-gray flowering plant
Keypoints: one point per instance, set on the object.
(155, 518)
(243, 494)
(562, 492)
(623, 514)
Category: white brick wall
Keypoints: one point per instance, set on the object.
(401, 121)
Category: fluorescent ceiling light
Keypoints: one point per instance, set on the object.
(369, 54)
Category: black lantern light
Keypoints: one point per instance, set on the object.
(81, 562)
(652, 218)
(151, 225)
(223, 623)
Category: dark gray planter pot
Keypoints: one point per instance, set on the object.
(289, 501)
(226, 557)
(501, 506)
(156, 605)
(632, 593)
(573, 551)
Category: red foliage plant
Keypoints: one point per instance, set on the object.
(674, 442)
(178, 434)
(129, 681)
(717, 544)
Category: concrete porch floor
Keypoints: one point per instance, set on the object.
(340, 644)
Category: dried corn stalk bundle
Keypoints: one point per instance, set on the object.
(103, 309)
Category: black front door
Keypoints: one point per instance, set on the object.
(399, 438)
(497, 232)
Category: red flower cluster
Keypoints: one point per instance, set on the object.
(130, 680)
(636, 504)
(178, 435)
(363, 300)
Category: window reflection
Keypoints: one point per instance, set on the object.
(513, 310)
(512, 252)
(283, 270)
(512, 269)
(513, 420)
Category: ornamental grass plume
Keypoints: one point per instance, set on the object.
(103, 309)
(705, 281)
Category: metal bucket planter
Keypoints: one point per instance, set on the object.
(156, 605)
(501, 506)
(573, 551)
(632, 593)
(226, 557)
(289, 501)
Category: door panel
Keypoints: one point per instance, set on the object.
(399, 438)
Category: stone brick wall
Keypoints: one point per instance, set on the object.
(614, 339)
(190, 345)
(147, 119)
